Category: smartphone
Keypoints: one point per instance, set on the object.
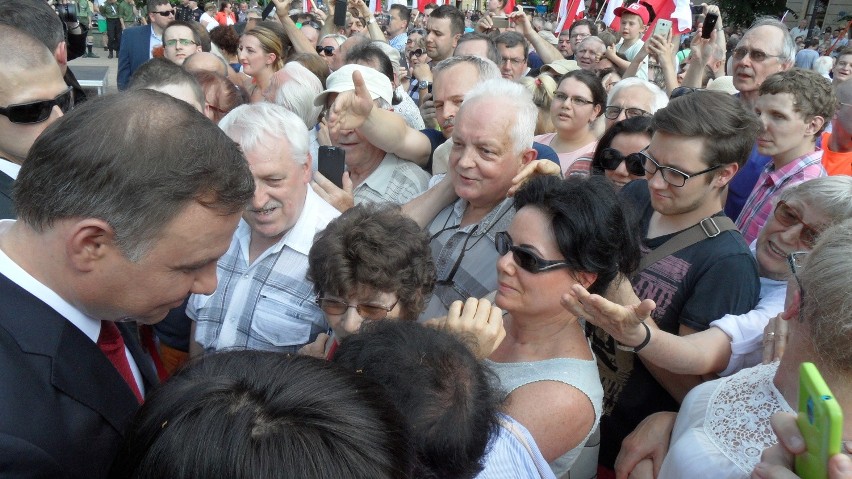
(340, 7)
(331, 163)
(820, 420)
(663, 27)
(500, 22)
(709, 25)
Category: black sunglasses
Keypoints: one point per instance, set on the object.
(611, 158)
(415, 53)
(524, 258)
(167, 13)
(38, 111)
(329, 51)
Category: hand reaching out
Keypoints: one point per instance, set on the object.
(351, 108)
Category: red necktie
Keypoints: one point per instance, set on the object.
(112, 344)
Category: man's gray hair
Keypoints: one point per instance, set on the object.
(513, 96)
(788, 44)
(660, 97)
(590, 40)
(298, 91)
(488, 70)
(251, 125)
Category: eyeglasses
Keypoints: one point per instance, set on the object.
(167, 13)
(756, 55)
(787, 216)
(575, 100)
(611, 158)
(327, 51)
(368, 311)
(416, 53)
(513, 61)
(613, 112)
(796, 261)
(670, 175)
(183, 41)
(38, 111)
(523, 257)
(579, 36)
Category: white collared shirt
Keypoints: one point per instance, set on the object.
(154, 41)
(89, 326)
(11, 169)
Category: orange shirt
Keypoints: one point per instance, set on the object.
(835, 163)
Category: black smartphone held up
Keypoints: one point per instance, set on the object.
(709, 25)
(340, 7)
(331, 164)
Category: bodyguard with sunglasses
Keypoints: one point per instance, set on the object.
(32, 96)
(688, 164)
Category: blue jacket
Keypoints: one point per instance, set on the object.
(135, 50)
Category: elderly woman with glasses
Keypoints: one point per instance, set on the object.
(563, 233)
(733, 342)
(371, 263)
(577, 103)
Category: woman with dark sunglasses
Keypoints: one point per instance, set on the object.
(564, 233)
(617, 155)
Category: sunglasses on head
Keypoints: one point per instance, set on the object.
(415, 53)
(327, 51)
(38, 111)
(612, 158)
(523, 257)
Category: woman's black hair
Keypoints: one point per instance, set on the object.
(594, 232)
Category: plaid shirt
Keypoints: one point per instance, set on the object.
(266, 305)
(759, 204)
(393, 181)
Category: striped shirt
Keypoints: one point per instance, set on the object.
(268, 304)
(771, 181)
(393, 181)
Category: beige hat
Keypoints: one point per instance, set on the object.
(560, 67)
(724, 84)
(550, 37)
(341, 80)
(390, 51)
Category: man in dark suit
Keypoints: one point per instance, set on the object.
(138, 42)
(108, 233)
(32, 96)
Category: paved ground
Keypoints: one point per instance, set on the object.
(103, 61)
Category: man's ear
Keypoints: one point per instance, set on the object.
(308, 169)
(794, 306)
(814, 125)
(725, 174)
(61, 55)
(456, 40)
(528, 156)
(89, 241)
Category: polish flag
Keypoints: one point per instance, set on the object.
(376, 6)
(678, 11)
(609, 17)
(569, 12)
(510, 7)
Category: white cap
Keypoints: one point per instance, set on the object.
(341, 80)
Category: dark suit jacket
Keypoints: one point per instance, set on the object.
(7, 206)
(63, 406)
(134, 51)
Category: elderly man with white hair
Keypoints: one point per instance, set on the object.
(263, 300)
(296, 87)
(372, 174)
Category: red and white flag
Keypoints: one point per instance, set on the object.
(569, 12)
(376, 6)
(609, 17)
(678, 11)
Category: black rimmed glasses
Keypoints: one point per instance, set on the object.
(182, 41)
(787, 216)
(523, 257)
(38, 111)
(756, 55)
(327, 51)
(670, 175)
(368, 311)
(612, 112)
(611, 158)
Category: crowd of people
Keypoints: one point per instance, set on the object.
(426, 244)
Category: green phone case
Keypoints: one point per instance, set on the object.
(820, 420)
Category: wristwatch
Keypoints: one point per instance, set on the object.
(370, 20)
(423, 85)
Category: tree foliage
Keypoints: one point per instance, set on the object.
(743, 13)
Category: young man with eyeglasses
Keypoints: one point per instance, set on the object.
(689, 162)
(138, 43)
(180, 41)
(794, 107)
(32, 96)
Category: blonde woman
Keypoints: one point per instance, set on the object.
(261, 55)
(542, 88)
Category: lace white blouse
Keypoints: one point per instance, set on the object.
(723, 426)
